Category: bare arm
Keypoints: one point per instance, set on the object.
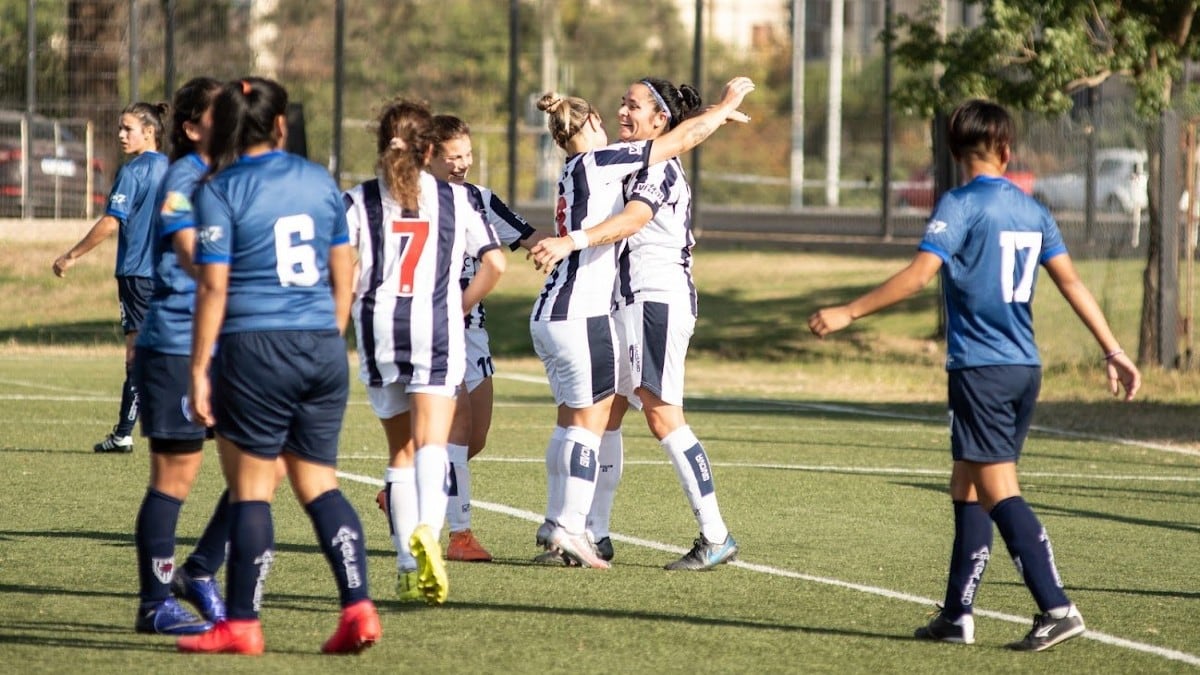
(692, 131)
(103, 229)
(901, 285)
(1120, 368)
(341, 279)
(211, 294)
(615, 228)
(491, 267)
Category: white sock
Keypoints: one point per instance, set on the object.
(402, 511)
(612, 463)
(695, 476)
(556, 480)
(578, 452)
(458, 509)
(432, 486)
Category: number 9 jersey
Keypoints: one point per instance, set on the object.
(408, 313)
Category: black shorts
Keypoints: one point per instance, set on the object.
(162, 381)
(991, 409)
(133, 293)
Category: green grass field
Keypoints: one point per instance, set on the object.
(831, 465)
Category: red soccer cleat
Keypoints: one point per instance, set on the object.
(235, 636)
(358, 628)
(381, 501)
(465, 547)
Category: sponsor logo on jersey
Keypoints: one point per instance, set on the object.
(936, 227)
(164, 569)
(651, 192)
(635, 149)
(175, 204)
(118, 199)
(209, 235)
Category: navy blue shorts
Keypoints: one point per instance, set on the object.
(133, 293)
(991, 409)
(282, 390)
(162, 382)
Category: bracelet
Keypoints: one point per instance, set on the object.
(579, 239)
(1113, 354)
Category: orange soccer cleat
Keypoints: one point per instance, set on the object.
(358, 628)
(464, 547)
(234, 636)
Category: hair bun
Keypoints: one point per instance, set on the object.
(689, 98)
(550, 102)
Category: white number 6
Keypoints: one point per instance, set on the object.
(296, 263)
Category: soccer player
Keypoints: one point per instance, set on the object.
(655, 317)
(570, 324)
(160, 375)
(274, 282)
(452, 160)
(129, 213)
(987, 239)
(411, 232)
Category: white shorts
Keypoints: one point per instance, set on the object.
(653, 339)
(580, 356)
(392, 399)
(479, 358)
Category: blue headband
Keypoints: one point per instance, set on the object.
(658, 97)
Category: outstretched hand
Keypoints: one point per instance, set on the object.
(547, 252)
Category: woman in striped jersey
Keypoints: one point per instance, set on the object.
(571, 324)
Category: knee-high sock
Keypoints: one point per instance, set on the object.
(403, 512)
(695, 476)
(432, 486)
(209, 553)
(340, 535)
(612, 463)
(251, 552)
(968, 558)
(578, 456)
(129, 406)
(154, 535)
(1029, 546)
(556, 478)
(458, 509)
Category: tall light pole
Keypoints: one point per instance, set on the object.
(799, 26)
(833, 143)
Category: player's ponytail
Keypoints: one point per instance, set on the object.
(566, 115)
(244, 115)
(189, 105)
(403, 141)
(678, 103)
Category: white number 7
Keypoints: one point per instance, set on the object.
(1010, 242)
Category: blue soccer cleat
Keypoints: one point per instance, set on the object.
(706, 555)
(169, 618)
(201, 592)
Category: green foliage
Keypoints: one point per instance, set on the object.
(50, 28)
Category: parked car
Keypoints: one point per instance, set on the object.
(59, 188)
(1121, 184)
(917, 191)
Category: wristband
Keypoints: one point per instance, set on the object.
(1113, 354)
(579, 239)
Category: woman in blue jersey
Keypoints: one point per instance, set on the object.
(570, 324)
(412, 233)
(274, 276)
(987, 239)
(655, 317)
(129, 213)
(161, 375)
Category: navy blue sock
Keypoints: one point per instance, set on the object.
(129, 406)
(1029, 546)
(251, 552)
(154, 536)
(209, 554)
(341, 537)
(968, 558)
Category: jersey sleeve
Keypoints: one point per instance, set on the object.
(214, 233)
(614, 162)
(1052, 241)
(176, 211)
(946, 229)
(648, 186)
(510, 227)
(480, 236)
(124, 189)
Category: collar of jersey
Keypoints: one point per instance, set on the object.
(259, 158)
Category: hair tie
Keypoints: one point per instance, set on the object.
(397, 143)
(246, 88)
(658, 97)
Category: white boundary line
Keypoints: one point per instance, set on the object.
(1105, 638)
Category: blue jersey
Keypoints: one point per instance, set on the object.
(132, 201)
(272, 218)
(167, 327)
(991, 238)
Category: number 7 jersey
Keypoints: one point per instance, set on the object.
(408, 311)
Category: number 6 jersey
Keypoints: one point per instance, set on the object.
(408, 312)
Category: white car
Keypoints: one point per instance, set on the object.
(1121, 184)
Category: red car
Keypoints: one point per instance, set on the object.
(917, 191)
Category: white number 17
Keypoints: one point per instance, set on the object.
(1010, 242)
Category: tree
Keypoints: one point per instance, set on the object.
(1033, 54)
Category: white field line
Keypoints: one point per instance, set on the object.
(1105, 638)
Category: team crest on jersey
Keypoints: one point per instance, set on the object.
(209, 235)
(164, 569)
(936, 227)
(636, 149)
(176, 204)
(117, 199)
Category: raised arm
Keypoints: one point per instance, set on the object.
(692, 131)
